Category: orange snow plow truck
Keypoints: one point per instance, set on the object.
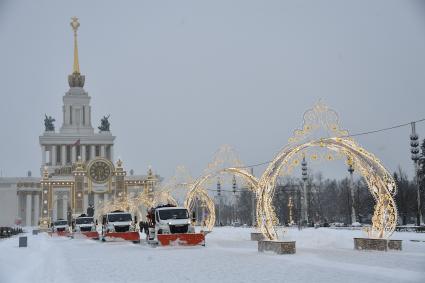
(170, 225)
(119, 225)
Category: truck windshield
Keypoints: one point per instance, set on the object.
(87, 220)
(62, 222)
(120, 217)
(173, 214)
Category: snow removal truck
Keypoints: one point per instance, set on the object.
(60, 228)
(171, 225)
(85, 225)
(119, 225)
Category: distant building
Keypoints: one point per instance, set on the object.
(77, 165)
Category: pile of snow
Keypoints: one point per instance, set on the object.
(356, 224)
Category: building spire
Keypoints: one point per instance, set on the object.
(75, 24)
(75, 79)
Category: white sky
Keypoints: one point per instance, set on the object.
(181, 78)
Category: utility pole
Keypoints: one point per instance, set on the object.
(414, 149)
(351, 171)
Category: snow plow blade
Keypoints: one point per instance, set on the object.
(128, 236)
(91, 235)
(189, 239)
(60, 234)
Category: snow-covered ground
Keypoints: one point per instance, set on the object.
(323, 255)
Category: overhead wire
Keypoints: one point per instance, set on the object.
(347, 136)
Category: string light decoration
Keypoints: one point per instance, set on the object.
(197, 190)
(223, 158)
(208, 204)
(380, 182)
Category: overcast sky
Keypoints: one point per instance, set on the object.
(181, 78)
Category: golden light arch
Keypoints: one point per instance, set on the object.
(197, 190)
(379, 180)
(202, 194)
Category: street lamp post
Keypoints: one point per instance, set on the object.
(305, 201)
(253, 202)
(234, 199)
(351, 171)
(414, 150)
(219, 200)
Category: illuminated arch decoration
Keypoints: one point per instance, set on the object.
(197, 190)
(379, 180)
(207, 202)
(223, 158)
(321, 130)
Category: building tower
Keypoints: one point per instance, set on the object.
(76, 137)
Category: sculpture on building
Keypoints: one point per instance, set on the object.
(48, 123)
(104, 124)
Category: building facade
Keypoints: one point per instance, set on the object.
(77, 168)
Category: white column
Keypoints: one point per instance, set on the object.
(36, 208)
(102, 150)
(96, 201)
(63, 154)
(53, 155)
(18, 205)
(55, 207)
(64, 206)
(43, 155)
(85, 202)
(112, 152)
(83, 152)
(28, 211)
(105, 197)
(92, 151)
(73, 153)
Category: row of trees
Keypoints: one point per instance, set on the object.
(329, 200)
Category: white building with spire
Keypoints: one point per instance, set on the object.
(77, 165)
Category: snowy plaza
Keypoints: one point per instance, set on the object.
(323, 255)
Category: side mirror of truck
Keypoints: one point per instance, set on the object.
(103, 221)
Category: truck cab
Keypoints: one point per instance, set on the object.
(119, 224)
(172, 220)
(60, 225)
(171, 225)
(118, 221)
(84, 224)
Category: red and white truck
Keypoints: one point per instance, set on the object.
(119, 225)
(171, 225)
(86, 226)
(60, 228)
